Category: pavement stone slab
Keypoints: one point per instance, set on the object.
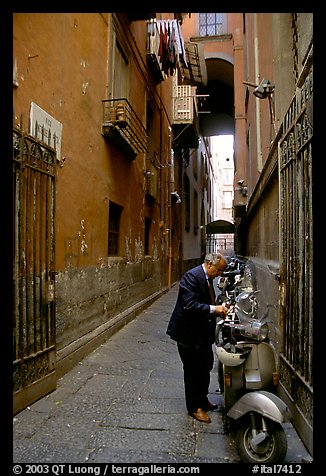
(141, 421)
(47, 452)
(146, 440)
(84, 406)
(105, 455)
(217, 445)
(172, 407)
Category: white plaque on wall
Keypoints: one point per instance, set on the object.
(45, 127)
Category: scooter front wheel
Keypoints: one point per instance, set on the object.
(266, 447)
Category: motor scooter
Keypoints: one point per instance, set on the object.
(247, 364)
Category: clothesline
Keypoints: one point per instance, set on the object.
(172, 28)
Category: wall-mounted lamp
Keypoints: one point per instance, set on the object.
(265, 90)
(262, 90)
(243, 189)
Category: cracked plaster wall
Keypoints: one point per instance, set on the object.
(88, 297)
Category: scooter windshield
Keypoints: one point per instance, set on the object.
(246, 310)
(246, 306)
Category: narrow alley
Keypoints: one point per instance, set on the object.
(142, 141)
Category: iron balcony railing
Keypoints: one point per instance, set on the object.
(123, 127)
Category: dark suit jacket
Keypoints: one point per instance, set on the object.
(191, 322)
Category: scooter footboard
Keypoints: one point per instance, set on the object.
(265, 403)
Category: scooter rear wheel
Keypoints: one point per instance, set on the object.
(271, 450)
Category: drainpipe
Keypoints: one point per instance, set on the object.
(258, 128)
(170, 249)
(170, 189)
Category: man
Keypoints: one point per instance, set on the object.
(192, 326)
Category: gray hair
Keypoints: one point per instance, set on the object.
(214, 258)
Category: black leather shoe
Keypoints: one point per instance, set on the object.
(210, 406)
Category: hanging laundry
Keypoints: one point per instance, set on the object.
(172, 50)
(170, 46)
(181, 45)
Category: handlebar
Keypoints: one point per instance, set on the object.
(233, 272)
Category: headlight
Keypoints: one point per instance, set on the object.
(255, 330)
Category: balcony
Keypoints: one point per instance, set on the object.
(123, 128)
(185, 117)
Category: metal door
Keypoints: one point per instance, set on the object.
(34, 166)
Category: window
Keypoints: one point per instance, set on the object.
(149, 120)
(185, 156)
(147, 234)
(119, 61)
(211, 24)
(195, 212)
(120, 72)
(227, 199)
(114, 228)
(187, 202)
(152, 160)
(228, 176)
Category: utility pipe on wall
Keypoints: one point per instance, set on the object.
(170, 217)
(257, 75)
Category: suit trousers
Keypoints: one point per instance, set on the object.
(197, 363)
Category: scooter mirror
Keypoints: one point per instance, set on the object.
(222, 283)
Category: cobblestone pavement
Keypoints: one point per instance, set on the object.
(124, 403)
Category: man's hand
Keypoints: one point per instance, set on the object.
(221, 310)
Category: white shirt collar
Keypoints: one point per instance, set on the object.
(204, 270)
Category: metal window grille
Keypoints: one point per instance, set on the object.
(211, 24)
(147, 234)
(114, 228)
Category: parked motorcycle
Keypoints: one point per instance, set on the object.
(247, 368)
(233, 274)
(229, 285)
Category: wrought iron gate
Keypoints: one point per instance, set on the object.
(295, 166)
(34, 165)
(218, 242)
